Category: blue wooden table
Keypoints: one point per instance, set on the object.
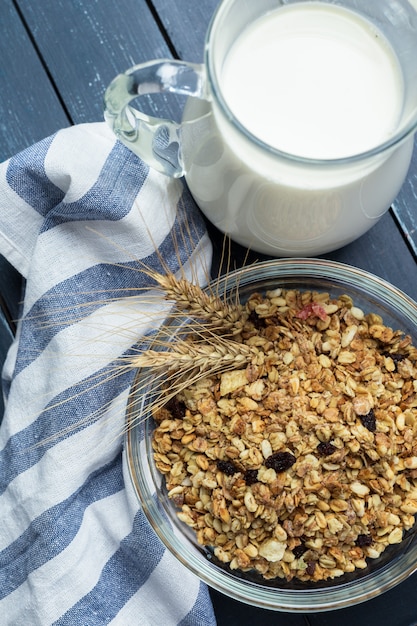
(56, 59)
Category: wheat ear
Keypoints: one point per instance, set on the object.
(202, 356)
(190, 298)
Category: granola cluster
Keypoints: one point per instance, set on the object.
(304, 463)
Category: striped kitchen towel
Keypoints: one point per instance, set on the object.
(79, 215)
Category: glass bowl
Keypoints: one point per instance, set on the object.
(372, 295)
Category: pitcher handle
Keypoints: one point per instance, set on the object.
(156, 141)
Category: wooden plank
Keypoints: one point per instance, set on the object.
(6, 338)
(186, 24)
(381, 251)
(10, 292)
(10, 295)
(85, 43)
(29, 106)
(29, 111)
(396, 607)
(233, 613)
(405, 206)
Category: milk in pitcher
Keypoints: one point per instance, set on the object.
(318, 84)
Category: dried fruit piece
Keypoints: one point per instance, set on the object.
(312, 309)
(280, 461)
(251, 476)
(299, 550)
(364, 540)
(257, 321)
(325, 448)
(227, 467)
(395, 356)
(369, 421)
(176, 408)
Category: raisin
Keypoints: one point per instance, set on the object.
(176, 408)
(280, 461)
(395, 356)
(326, 448)
(364, 540)
(369, 421)
(298, 551)
(251, 476)
(227, 467)
(257, 321)
(311, 568)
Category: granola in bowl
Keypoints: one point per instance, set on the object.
(312, 368)
(303, 462)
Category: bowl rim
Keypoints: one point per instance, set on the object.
(294, 600)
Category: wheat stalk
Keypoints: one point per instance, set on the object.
(206, 321)
(191, 298)
(201, 356)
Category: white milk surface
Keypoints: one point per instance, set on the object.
(314, 80)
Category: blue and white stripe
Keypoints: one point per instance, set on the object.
(79, 215)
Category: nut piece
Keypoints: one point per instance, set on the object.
(231, 381)
(272, 550)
